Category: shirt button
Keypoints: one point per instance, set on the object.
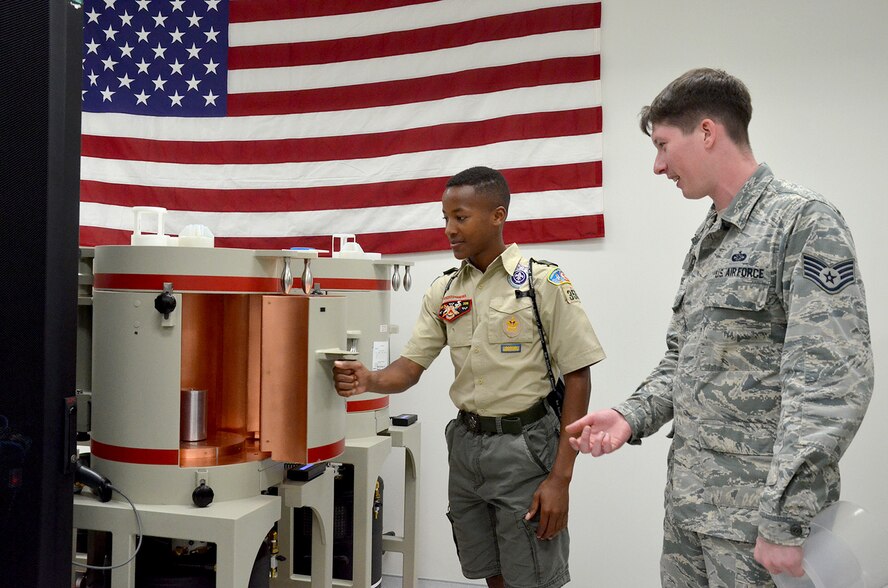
(796, 530)
(475, 350)
(480, 380)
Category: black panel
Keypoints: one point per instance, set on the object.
(39, 185)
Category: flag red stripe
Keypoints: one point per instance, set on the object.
(447, 136)
(258, 10)
(493, 28)
(526, 231)
(521, 180)
(562, 70)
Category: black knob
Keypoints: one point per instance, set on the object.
(165, 303)
(202, 495)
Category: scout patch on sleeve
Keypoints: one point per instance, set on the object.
(570, 295)
(557, 277)
(453, 309)
(831, 278)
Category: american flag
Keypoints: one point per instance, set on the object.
(278, 123)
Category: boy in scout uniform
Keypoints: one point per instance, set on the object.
(509, 465)
(769, 368)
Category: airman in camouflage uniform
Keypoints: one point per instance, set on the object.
(768, 369)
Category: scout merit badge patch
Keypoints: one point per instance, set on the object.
(453, 309)
(557, 277)
(519, 276)
(831, 278)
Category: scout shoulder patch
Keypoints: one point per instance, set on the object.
(451, 310)
(519, 276)
(831, 278)
(557, 277)
(570, 295)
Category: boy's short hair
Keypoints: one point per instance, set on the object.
(698, 94)
(486, 181)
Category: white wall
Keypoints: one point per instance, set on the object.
(818, 74)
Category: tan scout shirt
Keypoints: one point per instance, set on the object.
(493, 337)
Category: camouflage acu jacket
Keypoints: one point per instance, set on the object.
(768, 369)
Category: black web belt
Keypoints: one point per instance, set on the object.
(510, 423)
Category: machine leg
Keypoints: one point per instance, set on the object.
(237, 527)
(367, 455)
(316, 494)
(409, 438)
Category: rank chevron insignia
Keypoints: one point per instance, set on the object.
(832, 278)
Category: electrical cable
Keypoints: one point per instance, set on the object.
(138, 543)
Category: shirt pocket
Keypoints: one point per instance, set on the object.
(511, 320)
(739, 458)
(738, 333)
(459, 331)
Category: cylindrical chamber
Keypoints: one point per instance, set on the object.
(194, 415)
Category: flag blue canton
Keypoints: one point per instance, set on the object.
(155, 57)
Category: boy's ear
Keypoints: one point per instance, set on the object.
(499, 215)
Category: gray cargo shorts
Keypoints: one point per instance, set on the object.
(492, 481)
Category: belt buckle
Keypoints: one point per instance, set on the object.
(472, 422)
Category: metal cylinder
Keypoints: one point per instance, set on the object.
(193, 425)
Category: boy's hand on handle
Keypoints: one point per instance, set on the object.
(350, 378)
(599, 432)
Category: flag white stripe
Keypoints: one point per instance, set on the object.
(404, 166)
(381, 219)
(404, 18)
(416, 65)
(458, 109)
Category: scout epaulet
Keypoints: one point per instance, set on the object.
(452, 273)
(544, 262)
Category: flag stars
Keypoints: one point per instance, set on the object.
(125, 81)
(109, 4)
(93, 16)
(92, 47)
(110, 33)
(175, 99)
(109, 63)
(159, 51)
(211, 66)
(211, 5)
(192, 83)
(143, 66)
(143, 35)
(142, 98)
(126, 18)
(193, 52)
(211, 35)
(93, 76)
(210, 99)
(176, 66)
(177, 5)
(106, 94)
(194, 20)
(143, 4)
(177, 35)
(126, 51)
(159, 20)
(159, 82)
